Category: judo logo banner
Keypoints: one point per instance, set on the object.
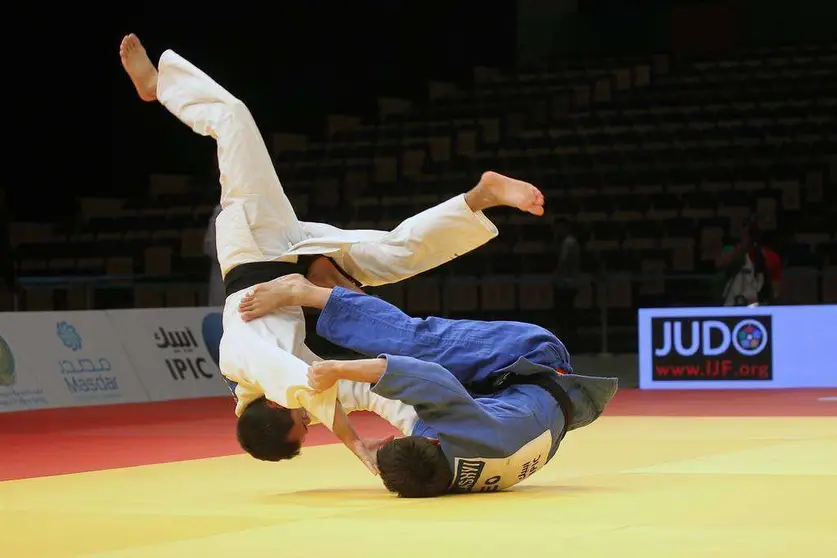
(712, 348)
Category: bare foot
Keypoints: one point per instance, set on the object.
(495, 189)
(268, 297)
(139, 67)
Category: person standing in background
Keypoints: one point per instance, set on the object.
(751, 271)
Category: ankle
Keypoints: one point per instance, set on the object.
(480, 198)
(312, 296)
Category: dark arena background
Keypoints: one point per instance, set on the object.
(687, 153)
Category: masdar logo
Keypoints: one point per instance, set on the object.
(8, 376)
(68, 334)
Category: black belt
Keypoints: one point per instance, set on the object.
(246, 275)
(544, 380)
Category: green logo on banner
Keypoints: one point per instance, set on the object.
(7, 364)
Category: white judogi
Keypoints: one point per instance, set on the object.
(355, 396)
(268, 356)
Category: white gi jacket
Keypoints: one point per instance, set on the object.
(268, 356)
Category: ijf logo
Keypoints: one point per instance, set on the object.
(712, 348)
(69, 335)
(750, 337)
(8, 376)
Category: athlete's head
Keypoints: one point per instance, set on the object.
(414, 467)
(270, 432)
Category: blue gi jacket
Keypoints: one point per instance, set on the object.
(491, 442)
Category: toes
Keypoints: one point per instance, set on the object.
(130, 43)
(536, 193)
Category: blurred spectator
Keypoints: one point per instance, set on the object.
(216, 284)
(569, 258)
(750, 271)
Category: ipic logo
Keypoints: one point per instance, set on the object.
(712, 348)
(182, 343)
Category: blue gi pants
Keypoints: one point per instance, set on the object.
(472, 350)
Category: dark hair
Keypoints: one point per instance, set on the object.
(262, 431)
(414, 467)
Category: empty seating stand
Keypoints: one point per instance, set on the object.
(655, 162)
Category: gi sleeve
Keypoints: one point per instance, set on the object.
(424, 241)
(282, 377)
(439, 400)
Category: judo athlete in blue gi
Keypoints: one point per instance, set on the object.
(494, 399)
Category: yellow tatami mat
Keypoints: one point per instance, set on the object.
(625, 486)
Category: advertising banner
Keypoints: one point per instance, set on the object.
(63, 359)
(738, 347)
(170, 352)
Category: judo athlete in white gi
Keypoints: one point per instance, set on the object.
(527, 394)
(260, 238)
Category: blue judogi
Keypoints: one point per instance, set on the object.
(491, 442)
